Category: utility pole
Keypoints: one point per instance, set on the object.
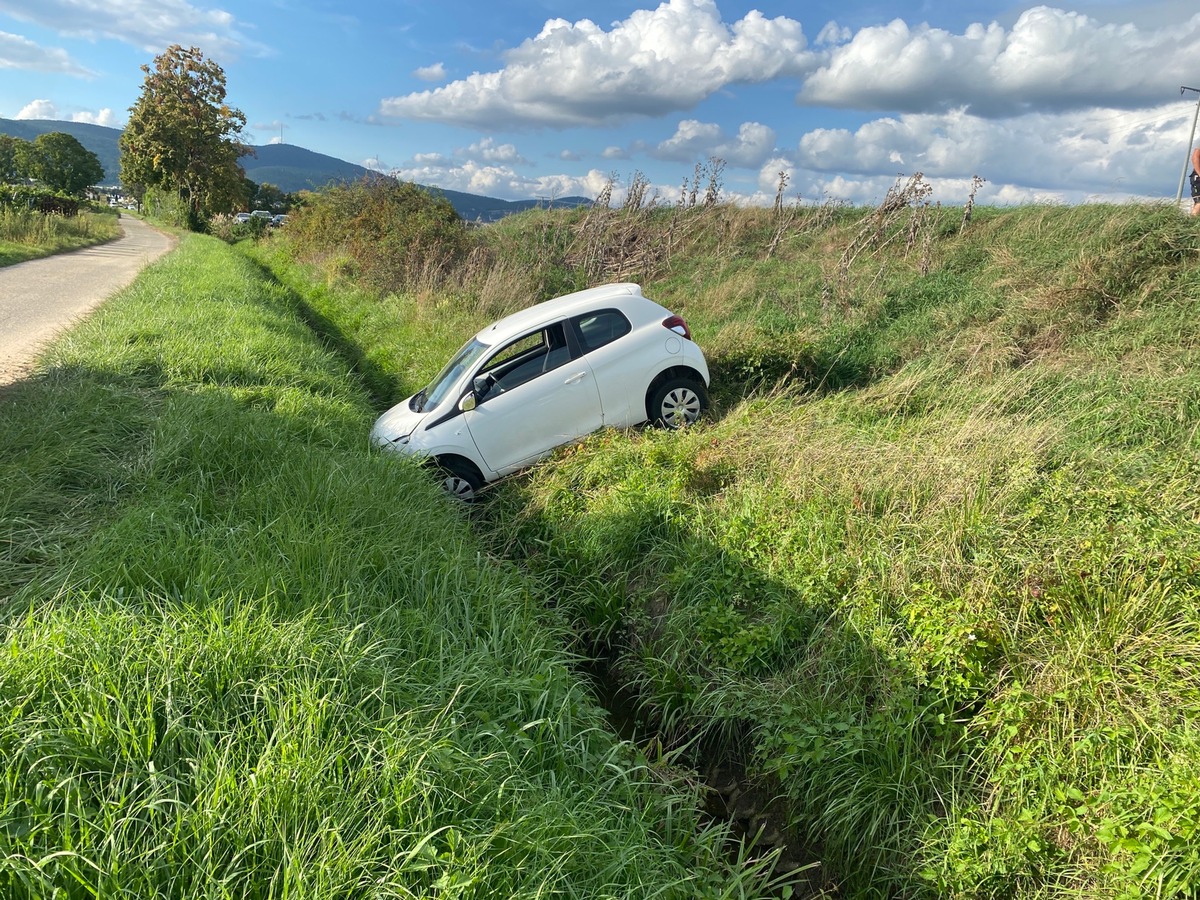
(1188, 160)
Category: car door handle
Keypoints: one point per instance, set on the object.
(576, 378)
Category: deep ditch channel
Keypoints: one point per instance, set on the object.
(751, 808)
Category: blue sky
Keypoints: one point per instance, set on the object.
(545, 98)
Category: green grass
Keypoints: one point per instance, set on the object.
(29, 235)
(931, 572)
(245, 656)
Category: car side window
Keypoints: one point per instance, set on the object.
(526, 358)
(595, 329)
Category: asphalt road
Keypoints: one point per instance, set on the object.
(41, 297)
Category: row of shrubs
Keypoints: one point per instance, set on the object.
(38, 199)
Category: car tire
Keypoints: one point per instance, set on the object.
(677, 402)
(460, 479)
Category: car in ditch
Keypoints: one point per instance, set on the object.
(550, 374)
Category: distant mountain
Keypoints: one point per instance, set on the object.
(286, 166)
(292, 168)
(474, 208)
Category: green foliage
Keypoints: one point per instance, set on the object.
(27, 233)
(33, 197)
(937, 557)
(245, 654)
(394, 235)
(182, 137)
(62, 164)
(929, 576)
(270, 197)
(13, 159)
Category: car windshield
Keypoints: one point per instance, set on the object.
(440, 386)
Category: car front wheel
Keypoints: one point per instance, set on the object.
(677, 403)
(460, 480)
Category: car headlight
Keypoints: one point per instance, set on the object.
(383, 437)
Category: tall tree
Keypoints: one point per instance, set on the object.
(61, 163)
(13, 159)
(182, 136)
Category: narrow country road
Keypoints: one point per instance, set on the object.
(41, 297)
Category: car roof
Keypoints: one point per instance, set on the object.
(559, 308)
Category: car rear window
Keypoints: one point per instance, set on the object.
(595, 329)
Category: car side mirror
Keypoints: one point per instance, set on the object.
(482, 385)
(468, 402)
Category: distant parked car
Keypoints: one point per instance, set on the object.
(278, 220)
(242, 218)
(261, 214)
(548, 375)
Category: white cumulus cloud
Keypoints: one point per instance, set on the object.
(17, 52)
(697, 141)
(105, 117)
(1089, 151)
(151, 25)
(1051, 59)
(489, 151)
(38, 109)
(654, 62)
(435, 72)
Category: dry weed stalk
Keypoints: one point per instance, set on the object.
(976, 183)
(876, 230)
(712, 193)
(631, 243)
(926, 260)
(784, 215)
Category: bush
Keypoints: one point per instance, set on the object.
(397, 234)
(40, 199)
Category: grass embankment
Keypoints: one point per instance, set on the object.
(246, 657)
(940, 586)
(932, 571)
(27, 234)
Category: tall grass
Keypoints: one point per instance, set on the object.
(28, 234)
(245, 656)
(931, 572)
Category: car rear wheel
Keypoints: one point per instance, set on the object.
(460, 479)
(677, 403)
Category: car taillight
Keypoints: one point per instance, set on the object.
(677, 325)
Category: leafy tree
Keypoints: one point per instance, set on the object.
(270, 196)
(249, 190)
(14, 154)
(182, 136)
(61, 163)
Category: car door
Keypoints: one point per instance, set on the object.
(620, 378)
(539, 396)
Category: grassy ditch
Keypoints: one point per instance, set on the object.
(929, 576)
(244, 656)
(932, 572)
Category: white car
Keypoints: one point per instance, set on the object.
(546, 376)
